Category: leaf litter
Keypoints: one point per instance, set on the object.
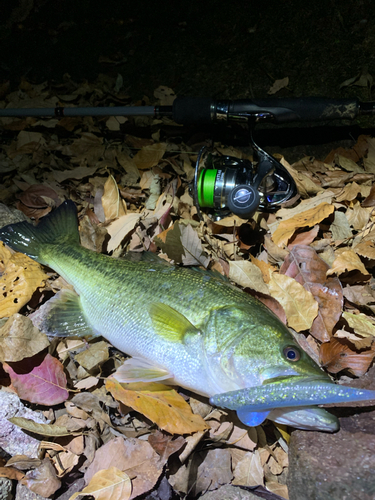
(312, 263)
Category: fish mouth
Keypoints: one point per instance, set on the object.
(291, 391)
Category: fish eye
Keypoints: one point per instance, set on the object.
(291, 353)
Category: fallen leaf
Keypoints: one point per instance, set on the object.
(304, 238)
(42, 480)
(347, 260)
(112, 203)
(20, 339)
(193, 251)
(248, 275)
(130, 455)
(21, 277)
(361, 323)
(164, 444)
(39, 380)
(249, 470)
(109, 484)
(11, 473)
(160, 403)
(309, 218)
(300, 306)
(121, 228)
(335, 356)
(278, 85)
(305, 266)
(213, 471)
(149, 156)
(340, 227)
(95, 355)
(42, 429)
(365, 249)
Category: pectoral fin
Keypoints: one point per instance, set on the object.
(251, 418)
(140, 370)
(169, 323)
(62, 316)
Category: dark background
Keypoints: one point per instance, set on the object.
(233, 49)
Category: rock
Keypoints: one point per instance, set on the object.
(6, 486)
(337, 466)
(23, 493)
(229, 492)
(12, 439)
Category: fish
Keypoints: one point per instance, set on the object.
(184, 326)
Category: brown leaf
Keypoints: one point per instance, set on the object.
(42, 480)
(113, 205)
(299, 305)
(305, 266)
(304, 238)
(20, 339)
(22, 276)
(164, 444)
(11, 473)
(309, 218)
(347, 260)
(133, 456)
(335, 356)
(108, 484)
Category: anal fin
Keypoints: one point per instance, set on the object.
(140, 370)
(62, 316)
(251, 418)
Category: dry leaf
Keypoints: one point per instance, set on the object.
(247, 274)
(109, 484)
(149, 156)
(20, 339)
(309, 218)
(347, 260)
(300, 306)
(112, 203)
(304, 265)
(249, 470)
(133, 456)
(160, 403)
(41, 429)
(42, 480)
(335, 356)
(39, 380)
(21, 277)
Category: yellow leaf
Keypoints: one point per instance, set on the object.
(361, 324)
(160, 403)
(149, 156)
(22, 276)
(366, 249)
(247, 274)
(42, 429)
(113, 205)
(107, 484)
(347, 260)
(299, 304)
(308, 218)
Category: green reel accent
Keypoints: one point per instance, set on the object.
(206, 186)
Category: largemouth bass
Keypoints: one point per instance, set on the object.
(183, 326)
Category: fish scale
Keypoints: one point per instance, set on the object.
(186, 326)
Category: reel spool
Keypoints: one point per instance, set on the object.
(227, 184)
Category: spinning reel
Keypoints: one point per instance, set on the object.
(227, 184)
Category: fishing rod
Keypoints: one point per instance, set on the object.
(222, 183)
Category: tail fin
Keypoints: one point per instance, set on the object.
(59, 227)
